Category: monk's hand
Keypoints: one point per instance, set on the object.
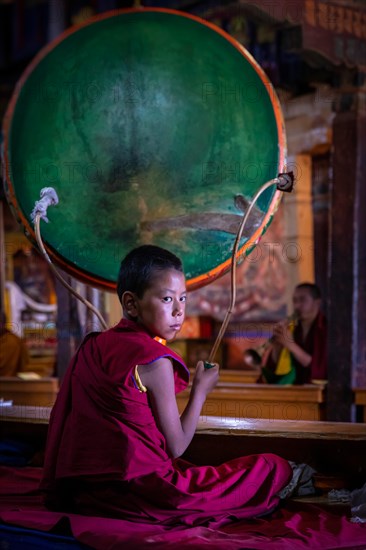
(205, 379)
(282, 335)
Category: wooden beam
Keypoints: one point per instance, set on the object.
(67, 324)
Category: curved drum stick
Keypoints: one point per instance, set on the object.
(284, 182)
(49, 198)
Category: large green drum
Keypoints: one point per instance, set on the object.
(153, 126)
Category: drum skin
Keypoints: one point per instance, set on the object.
(154, 127)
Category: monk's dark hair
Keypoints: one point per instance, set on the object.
(140, 266)
(312, 288)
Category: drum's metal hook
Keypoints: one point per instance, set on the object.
(49, 198)
(285, 181)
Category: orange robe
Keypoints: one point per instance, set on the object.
(13, 354)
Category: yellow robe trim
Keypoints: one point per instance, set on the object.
(140, 385)
(284, 364)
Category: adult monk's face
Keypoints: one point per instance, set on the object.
(305, 305)
(162, 308)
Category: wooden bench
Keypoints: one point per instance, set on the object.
(329, 447)
(360, 399)
(262, 401)
(25, 414)
(41, 392)
(228, 399)
(244, 376)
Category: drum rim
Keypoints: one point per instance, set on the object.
(81, 274)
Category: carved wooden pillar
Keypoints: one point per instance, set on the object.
(67, 324)
(321, 182)
(2, 258)
(298, 249)
(56, 18)
(346, 308)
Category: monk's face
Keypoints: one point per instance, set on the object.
(162, 308)
(305, 305)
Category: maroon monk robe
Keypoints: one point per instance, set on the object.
(315, 344)
(105, 455)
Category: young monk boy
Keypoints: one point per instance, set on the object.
(115, 434)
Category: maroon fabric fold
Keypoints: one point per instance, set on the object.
(294, 526)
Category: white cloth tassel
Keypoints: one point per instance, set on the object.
(48, 198)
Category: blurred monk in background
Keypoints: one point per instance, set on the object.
(13, 352)
(298, 350)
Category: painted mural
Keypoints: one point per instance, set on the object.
(261, 282)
